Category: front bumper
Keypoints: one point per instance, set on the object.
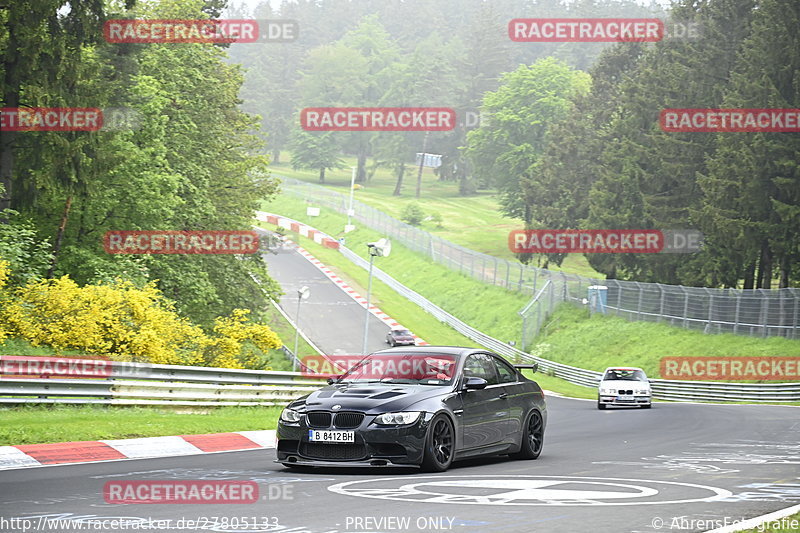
(615, 400)
(399, 342)
(401, 446)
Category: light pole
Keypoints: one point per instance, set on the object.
(302, 294)
(349, 227)
(380, 248)
(422, 162)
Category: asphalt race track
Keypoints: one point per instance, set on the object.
(618, 470)
(675, 467)
(330, 318)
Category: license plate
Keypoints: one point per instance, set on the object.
(626, 398)
(315, 435)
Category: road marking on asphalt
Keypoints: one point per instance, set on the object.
(530, 490)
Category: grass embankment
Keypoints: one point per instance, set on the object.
(44, 424)
(789, 524)
(474, 222)
(493, 307)
(570, 336)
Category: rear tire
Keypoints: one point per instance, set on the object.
(439, 445)
(532, 437)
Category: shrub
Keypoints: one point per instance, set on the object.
(127, 323)
(412, 214)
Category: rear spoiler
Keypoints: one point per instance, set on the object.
(534, 367)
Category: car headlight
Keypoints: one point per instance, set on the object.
(643, 392)
(607, 391)
(291, 416)
(397, 419)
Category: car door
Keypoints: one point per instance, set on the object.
(516, 404)
(485, 416)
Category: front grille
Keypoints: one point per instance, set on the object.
(625, 392)
(319, 419)
(348, 420)
(332, 452)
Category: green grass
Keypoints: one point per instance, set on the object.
(474, 222)
(791, 522)
(561, 386)
(572, 337)
(16, 346)
(44, 424)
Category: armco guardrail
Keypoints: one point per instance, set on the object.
(146, 384)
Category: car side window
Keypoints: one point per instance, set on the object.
(506, 373)
(480, 366)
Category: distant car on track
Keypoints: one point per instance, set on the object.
(624, 386)
(400, 336)
(424, 406)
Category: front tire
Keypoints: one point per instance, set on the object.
(600, 406)
(532, 438)
(439, 445)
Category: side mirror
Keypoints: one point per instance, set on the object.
(533, 366)
(474, 383)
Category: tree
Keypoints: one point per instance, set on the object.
(505, 149)
(752, 187)
(313, 150)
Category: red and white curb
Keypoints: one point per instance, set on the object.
(32, 455)
(328, 241)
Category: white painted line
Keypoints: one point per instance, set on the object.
(265, 437)
(152, 447)
(10, 457)
(758, 520)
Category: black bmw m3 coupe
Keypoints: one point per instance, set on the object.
(423, 406)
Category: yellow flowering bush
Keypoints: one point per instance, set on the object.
(4, 273)
(125, 322)
(237, 341)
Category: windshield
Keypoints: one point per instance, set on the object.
(624, 375)
(401, 333)
(425, 369)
